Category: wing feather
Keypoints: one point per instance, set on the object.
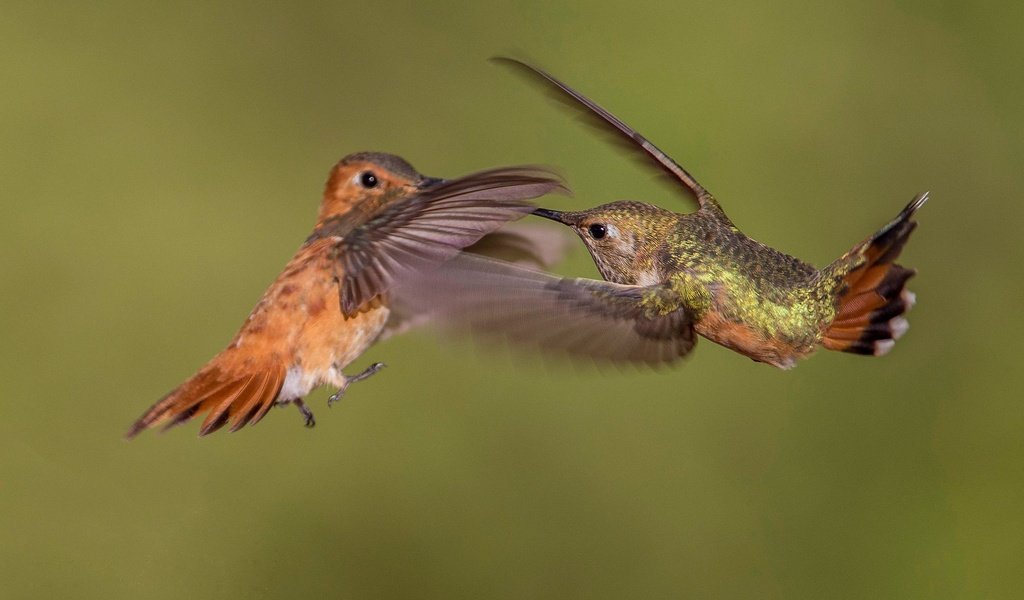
(416, 233)
(581, 317)
(607, 120)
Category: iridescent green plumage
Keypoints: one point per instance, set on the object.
(668, 276)
(737, 291)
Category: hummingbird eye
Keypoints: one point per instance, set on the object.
(597, 231)
(368, 180)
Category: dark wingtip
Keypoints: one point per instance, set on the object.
(508, 61)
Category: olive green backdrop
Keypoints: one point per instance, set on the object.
(160, 163)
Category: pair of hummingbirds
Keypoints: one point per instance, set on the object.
(392, 247)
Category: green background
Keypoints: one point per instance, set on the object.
(161, 161)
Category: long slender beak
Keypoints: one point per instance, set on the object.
(554, 215)
(429, 182)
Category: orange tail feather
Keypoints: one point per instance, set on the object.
(870, 293)
(240, 398)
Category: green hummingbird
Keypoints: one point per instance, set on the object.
(669, 275)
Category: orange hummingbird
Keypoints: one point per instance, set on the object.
(380, 221)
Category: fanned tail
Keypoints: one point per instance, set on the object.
(870, 292)
(241, 398)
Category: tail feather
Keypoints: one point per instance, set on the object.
(240, 398)
(260, 410)
(870, 292)
(891, 329)
(174, 408)
(221, 403)
(182, 417)
(259, 403)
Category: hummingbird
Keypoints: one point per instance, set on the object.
(380, 221)
(669, 276)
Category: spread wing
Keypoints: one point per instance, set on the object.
(582, 317)
(416, 233)
(535, 245)
(608, 121)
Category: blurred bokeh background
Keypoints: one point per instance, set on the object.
(161, 161)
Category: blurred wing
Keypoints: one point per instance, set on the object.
(417, 233)
(528, 244)
(610, 122)
(583, 317)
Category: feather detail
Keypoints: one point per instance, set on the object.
(871, 297)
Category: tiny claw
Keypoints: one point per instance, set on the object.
(338, 395)
(306, 413)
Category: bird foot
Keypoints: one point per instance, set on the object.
(350, 380)
(306, 413)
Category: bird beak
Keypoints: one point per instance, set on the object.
(554, 215)
(429, 182)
